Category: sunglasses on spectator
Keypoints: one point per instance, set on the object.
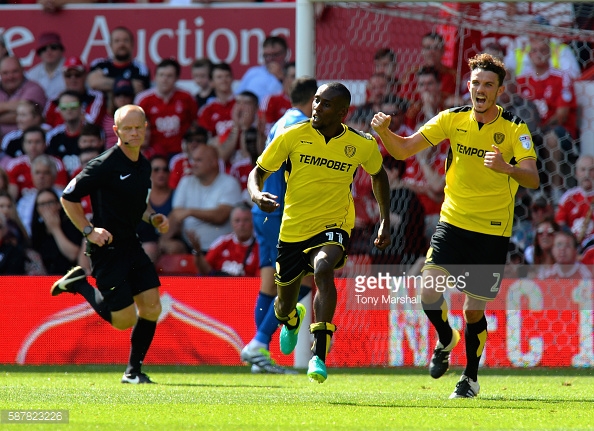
(548, 230)
(69, 105)
(73, 75)
(52, 46)
(160, 168)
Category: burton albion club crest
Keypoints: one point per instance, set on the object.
(350, 150)
(498, 138)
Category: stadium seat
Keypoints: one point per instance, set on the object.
(176, 264)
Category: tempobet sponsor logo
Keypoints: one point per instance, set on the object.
(470, 151)
(326, 163)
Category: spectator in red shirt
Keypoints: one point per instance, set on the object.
(169, 110)
(575, 209)
(179, 165)
(275, 106)
(552, 92)
(215, 116)
(234, 254)
(432, 51)
(427, 99)
(93, 102)
(19, 170)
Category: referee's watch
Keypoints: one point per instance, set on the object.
(87, 230)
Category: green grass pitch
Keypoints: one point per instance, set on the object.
(228, 398)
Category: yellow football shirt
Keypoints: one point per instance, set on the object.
(477, 198)
(320, 175)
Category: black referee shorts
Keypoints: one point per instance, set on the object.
(478, 258)
(122, 271)
(293, 257)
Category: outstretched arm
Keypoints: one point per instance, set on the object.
(381, 191)
(399, 147)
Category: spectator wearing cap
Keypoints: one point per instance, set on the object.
(93, 103)
(123, 94)
(169, 110)
(48, 73)
(14, 87)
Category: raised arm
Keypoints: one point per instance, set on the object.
(399, 147)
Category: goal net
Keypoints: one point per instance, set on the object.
(347, 36)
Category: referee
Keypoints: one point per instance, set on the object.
(118, 182)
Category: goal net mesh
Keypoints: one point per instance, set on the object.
(347, 37)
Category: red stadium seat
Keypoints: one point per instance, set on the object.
(176, 264)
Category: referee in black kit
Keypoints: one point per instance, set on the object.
(118, 182)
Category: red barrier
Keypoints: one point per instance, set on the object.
(208, 320)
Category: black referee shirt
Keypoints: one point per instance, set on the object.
(119, 190)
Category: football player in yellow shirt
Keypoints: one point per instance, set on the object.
(322, 154)
(491, 153)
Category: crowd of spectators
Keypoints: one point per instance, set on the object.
(58, 115)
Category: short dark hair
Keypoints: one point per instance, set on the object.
(276, 40)
(342, 91)
(250, 95)
(159, 157)
(167, 62)
(400, 103)
(71, 93)
(303, 89)
(91, 129)
(489, 63)
(34, 129)
(435, 36)
(195, 130)
(385, 53)
(429, 70)
(220, 66)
